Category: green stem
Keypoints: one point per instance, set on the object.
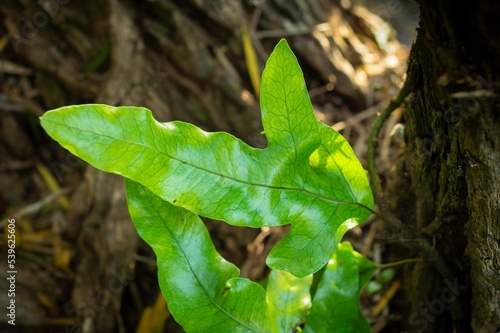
(394, 222)
(397, 263)
(386, 214)
(392, 264)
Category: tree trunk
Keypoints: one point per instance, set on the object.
(450, 171)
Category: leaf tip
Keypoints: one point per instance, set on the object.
(283, 44)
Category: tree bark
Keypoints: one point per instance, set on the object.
(450, 171)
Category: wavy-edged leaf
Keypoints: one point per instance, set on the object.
(307, 176)
(336, 302)
(203, 291)
(288, 300)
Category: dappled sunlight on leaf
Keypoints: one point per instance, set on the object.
(308, 176)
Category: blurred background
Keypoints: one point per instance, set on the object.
(195, 61)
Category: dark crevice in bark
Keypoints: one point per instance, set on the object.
(451, 129)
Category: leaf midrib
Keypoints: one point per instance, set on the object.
(273, 187)
(205, 290)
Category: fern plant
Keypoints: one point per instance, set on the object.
(307, 176)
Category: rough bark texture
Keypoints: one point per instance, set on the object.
(450, 171)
